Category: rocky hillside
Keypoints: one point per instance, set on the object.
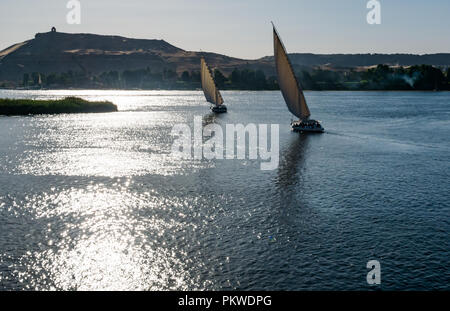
(55, 52)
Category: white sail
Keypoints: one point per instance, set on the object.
(290, 88)
(209, 87)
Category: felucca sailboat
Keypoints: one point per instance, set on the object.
(292, 90)
(210, 89)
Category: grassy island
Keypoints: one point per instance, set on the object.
(21, 107)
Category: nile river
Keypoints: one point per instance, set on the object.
(98, 201)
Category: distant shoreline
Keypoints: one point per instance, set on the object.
(379, 78)
(225, 90)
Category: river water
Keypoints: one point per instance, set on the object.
(98, 201)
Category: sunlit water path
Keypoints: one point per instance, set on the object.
(97, 201)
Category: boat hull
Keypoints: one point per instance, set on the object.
(304, 130)
(219, 109)
(309, 126)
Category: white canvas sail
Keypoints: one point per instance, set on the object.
(209, 87)
(290, 88)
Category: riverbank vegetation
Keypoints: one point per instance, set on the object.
(66, 105)
(381, 77)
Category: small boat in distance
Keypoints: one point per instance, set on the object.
(210, 89)
(292, 90)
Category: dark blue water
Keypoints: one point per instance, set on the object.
(96, 201)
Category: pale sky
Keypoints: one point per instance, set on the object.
(241, 28)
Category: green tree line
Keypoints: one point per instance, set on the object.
(382, 77)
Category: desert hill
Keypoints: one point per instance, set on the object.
(55, 52)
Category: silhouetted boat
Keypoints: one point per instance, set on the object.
(211, 90)
(292, 90)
